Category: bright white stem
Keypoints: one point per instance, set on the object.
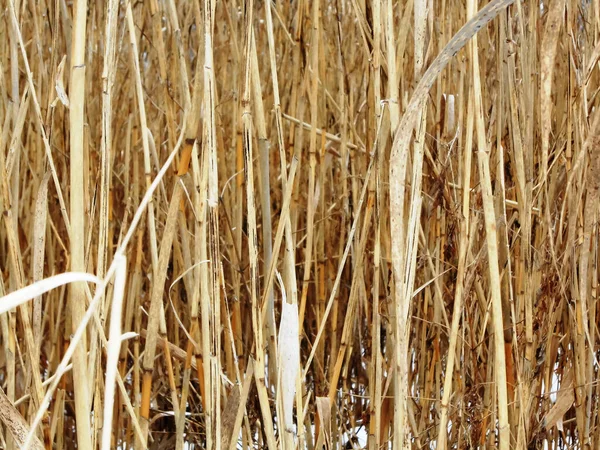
(450, 115)
(114, 347)
(289, 359)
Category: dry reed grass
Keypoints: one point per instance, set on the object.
(299, 224)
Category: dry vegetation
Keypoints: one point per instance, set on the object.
(308, 223)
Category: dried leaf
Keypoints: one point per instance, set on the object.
(34, 290)
(564, 401)
(59, 84)
(324, 410)
(39, 244)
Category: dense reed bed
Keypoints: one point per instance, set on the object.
(299, 224)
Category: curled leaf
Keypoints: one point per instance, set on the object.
(34, 290)
(59, 84)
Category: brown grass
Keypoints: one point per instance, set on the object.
(299, 224)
